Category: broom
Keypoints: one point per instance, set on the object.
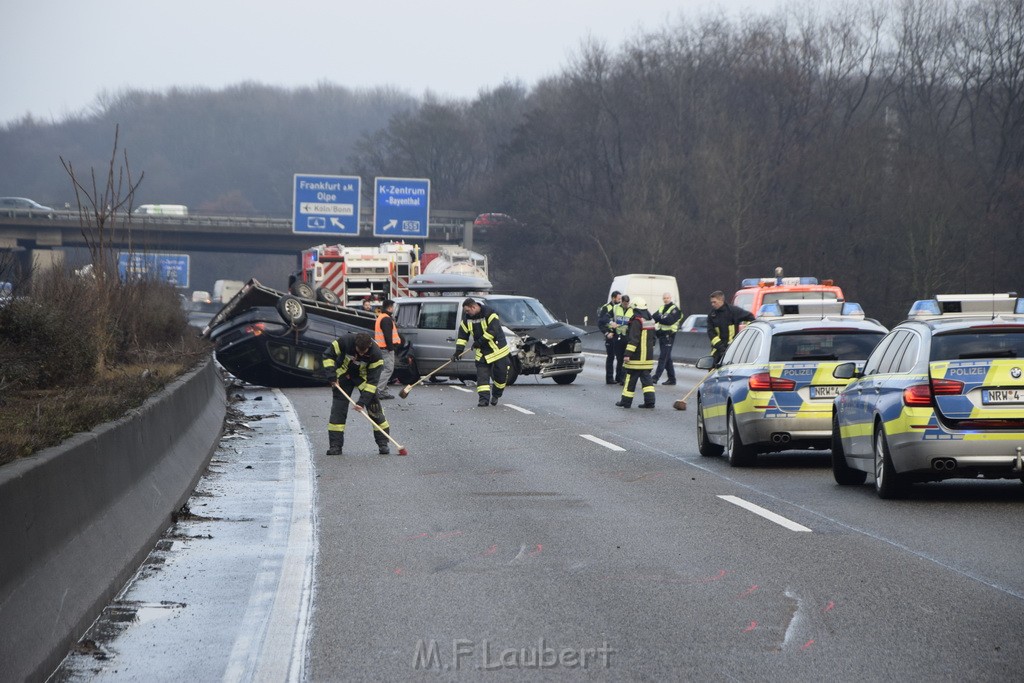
(402, 450)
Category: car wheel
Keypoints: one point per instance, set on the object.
(888, 484)
(327, 296)
(843, 473)
(302, 290)
(292, 311)
(740, 455)
(565, 379)
(704, 445)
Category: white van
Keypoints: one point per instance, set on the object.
(161, 210)
(650, 287)
(223, 290)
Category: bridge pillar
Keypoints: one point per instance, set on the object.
(40, 261)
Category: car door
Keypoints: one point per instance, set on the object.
(718, 385)
(433, 337)
(861, 403)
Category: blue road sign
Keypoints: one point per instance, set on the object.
(325, 204)
(170, 268)
(401, 207)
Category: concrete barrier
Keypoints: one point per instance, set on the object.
(76, 520)
(688, 346)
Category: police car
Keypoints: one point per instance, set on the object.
(942, 396)
(775, 386)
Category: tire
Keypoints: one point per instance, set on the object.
(292, 311)
(739, 454)
(302, 290)
(843, 473)
(888, 484)
(565, 379)
(327, 296)
(704, 445)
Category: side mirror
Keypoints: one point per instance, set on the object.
(846, 371)
(706, 362)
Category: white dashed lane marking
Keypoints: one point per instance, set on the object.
(524, 411)
(602, 442)
(767, 514)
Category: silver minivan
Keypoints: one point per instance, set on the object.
(541, 345)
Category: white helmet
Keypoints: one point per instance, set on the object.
(639, 302)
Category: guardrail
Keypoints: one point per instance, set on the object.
(79, 518)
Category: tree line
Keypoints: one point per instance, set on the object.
(880, 144)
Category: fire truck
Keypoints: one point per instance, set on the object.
(346, 275)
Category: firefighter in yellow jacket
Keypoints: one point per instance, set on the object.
(492, 352)
(638, 359)
(354, 362)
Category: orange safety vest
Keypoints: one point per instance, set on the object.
(378, 334)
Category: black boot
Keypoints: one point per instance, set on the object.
(623, 403)
(335, 441)
(483, 401)
(646, 405)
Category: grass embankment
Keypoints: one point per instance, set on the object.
(80, 352)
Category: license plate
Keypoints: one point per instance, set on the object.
(826, 391)
(990, 396)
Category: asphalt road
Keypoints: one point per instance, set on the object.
(507, 535)
(559, 535)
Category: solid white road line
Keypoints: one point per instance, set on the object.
(767, 514)
(524, 411)
(468, 391)
(602, 442)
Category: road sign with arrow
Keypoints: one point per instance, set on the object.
(326, 204)
(401, 208)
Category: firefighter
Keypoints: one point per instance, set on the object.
(385, 334)
(639, 355)
(354, 362)
(606, 324)
(490, 348)
(723, 324)
(622, 316)
(667, 319)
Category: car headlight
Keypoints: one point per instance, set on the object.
(577, 346)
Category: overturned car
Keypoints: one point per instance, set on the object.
(541, 345)
(275, 339)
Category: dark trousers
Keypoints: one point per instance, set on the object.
(609, 363)
(629, 388)
(339, 414)
(665, 357)
(620, 354)
(490, 375)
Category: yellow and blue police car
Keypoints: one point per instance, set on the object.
(941, 397)
(774, 388)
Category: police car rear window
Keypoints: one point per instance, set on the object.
(978, 344)
(814, 346)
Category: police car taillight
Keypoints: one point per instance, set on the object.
(920, 395)
(763, 381)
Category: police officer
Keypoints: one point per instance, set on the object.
(622, 315)
(492, 351)
(606, 324)
(354, 362)
(723, 324)
(667, 319)
(385, 334)
(639, 355)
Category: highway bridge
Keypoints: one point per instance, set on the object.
(39, 241)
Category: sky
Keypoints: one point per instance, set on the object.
(58, 56)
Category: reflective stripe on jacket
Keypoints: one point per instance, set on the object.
(640, 342)
(488, 337)
(340, 360)
(669, 318)
(378, 332)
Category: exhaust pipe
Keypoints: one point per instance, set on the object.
(943, 464)
(780, 437)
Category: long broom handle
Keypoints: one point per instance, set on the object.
(690, 392)
(431, 373)
(359, 409)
